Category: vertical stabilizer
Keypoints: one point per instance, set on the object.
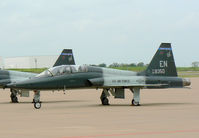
(163, 63)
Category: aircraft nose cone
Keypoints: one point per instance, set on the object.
(186, 82)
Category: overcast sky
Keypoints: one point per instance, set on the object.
(100, 31)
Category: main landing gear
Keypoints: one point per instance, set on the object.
(136, 96)
(13, 96)
(135, 101)
(36, 100)
(104, 98)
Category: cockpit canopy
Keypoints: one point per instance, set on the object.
(64, 69)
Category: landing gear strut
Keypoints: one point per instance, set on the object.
(104, 98)
(36, 100)
(136, 96)
(13, 96)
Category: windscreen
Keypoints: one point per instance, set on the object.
(64, 69)
(45, 73)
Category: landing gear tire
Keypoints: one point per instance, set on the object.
(105, 101)
(14, 98)
(134, 103)
(37, 105)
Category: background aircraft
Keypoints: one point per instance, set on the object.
(66, 58)
(6, 76)
(161, 73)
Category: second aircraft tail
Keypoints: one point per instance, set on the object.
(66, 58)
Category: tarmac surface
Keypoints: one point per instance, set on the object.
(79, 114)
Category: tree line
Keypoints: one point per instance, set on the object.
(140, 64)
(114, 65)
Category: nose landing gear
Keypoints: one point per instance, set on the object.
(37, 105)
(36, 100)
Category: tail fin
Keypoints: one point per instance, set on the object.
(66, 58)
(163, 63)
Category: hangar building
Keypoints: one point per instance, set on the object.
(1, 62)
(28, 62)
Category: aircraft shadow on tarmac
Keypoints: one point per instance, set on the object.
(142, 105)
(87, 105)
(98, 105)
(165, 104)
(46, 102)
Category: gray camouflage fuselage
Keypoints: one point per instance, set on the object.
(7, 77)
(96, 77)
(161, 73)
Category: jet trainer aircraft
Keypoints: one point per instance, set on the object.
(7, 76)
(161, 73)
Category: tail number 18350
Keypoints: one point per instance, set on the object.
(158, 71)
